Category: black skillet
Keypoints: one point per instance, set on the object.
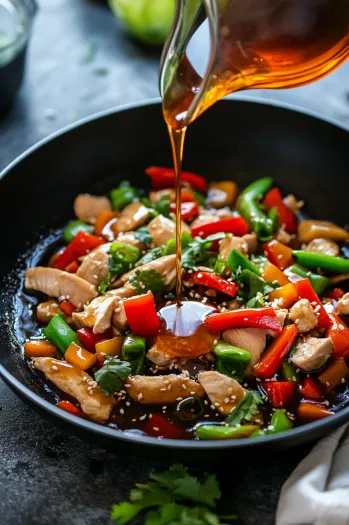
(240, 139)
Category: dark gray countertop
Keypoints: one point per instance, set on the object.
(79, 62)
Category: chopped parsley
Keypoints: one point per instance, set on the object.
(113, 373)
(145, 280)
(175, 497)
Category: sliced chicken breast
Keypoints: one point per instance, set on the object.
(162, 230)
(87, 207)
(162, 389)
(223, 391)
(325, 246)
(342, 307)
(132, 217)
(253, 340)
(95, 265)
(75, 382)
(232, 243)
(129, 238)
(98, 314)
(303, 315)
(312, 353)
(56, 283)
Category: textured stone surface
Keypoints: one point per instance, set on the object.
(79, 62)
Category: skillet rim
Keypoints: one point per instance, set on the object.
(109, 433)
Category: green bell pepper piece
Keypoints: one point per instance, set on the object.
(280, 421)
(329, 263)
(223, 432)
(318, 282)
(123, 195)
(74, 227)
(231, 361)
(238, 261)
(190, 409)
(248, 206)
(221, 267)
(60, 334)
(133, 351)
(289, 372)
(124, 253)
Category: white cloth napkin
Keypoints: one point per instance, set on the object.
(317, 492)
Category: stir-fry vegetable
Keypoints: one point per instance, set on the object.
(223, 432)
(81, 244)
(235, 225)
(335, 374)
(141, 315)
(310, 230)
(308, 412)
(74, 227)
(214, 281)
(287, 219)
(89, 339)
(39, 348)
(60, 334)
(190, 409)
(279, 254)
(248, 317)
(320, 261)
(311, 389)
(231, 361)
(320, 283)
(123, 195)
(272, 359)
(306, 291)
(250, 209)
(133, 351)
(280, 393)
(238, 262)
(78, 356)
(163, 178)
(338, 331)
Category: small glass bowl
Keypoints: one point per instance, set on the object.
(16, 18)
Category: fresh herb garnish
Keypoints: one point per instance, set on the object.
(176, 497)
(145, 280)
(245, 410)
(150, 256)
(112, 374)
(195, 251)
(253, 288)
(122, 259)
(143, 235)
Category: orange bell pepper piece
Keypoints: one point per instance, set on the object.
(286, 295)
(272, 273)
(311, 412)
(338, 331)
(109, 346)
(67, 307)
(333, 375)
(72, 267)
(279, 254)
(39, 348)
(102, 219)
(77, 355)
(67, 406)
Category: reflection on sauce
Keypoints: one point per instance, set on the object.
(185, 334)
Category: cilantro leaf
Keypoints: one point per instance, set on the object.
(168, 479)
(246, 409)
(205, 492)
(196, 251)
(112, 374)
(252, 286)
(151, 255)
(145, 280)
(143, 235)
(162, 206)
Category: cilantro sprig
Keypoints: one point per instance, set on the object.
(246, 409)
(176, 498)
(113, 373)
(145, 280)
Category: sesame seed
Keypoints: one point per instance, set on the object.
(142, 418)
(55, 368)
(140, 396)
(122, 411)
(179, 399)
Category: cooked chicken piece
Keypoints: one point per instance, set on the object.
(292, 203)
(312, 353)
(56, 283)
(253, 340)
(155, 196)
(230, 243)
(129, 238)
(343, 305)
(340, 278)
(251, 240)
(98, 314)
(164, 266)
(158, 358)
(325, 246)
(303, 316)
(223, 213)
(224, 392)
(119, 319)
(47, 310)
(95, 265)
(132, 217)
(162, 230)
(283, 237)
(281, 315)
(162, 389)
(87, 207)
(74, 382)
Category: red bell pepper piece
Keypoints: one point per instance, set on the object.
(306, 291)
(187, 196)
(272, 359)
(189, 210)
(287, 219)
(67, 307)
(163, 178)
(247, 317)
(235, 225)
(279, 254)
(159, 426)
(141, 315)
(338, 331)
(69, 407)
(214, 281)
(311, 389)
(89, 339)
(280, 393)
(72, 267)
(336, 294)
(82, 243)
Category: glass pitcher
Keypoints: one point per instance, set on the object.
(16, 18)
(253, 44)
